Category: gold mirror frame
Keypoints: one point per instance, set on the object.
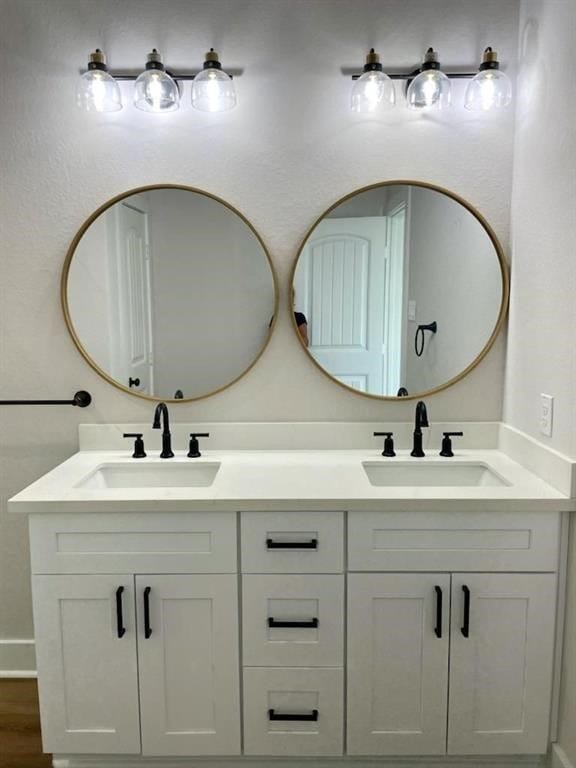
(504, 272)
(66, 309)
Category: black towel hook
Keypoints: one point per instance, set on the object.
(419, 337)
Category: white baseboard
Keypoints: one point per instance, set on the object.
(560, 758)
(17, 658)
(118, 761)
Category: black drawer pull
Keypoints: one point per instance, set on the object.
(279, 624)
(466, 628)
(312, 544)
(121, 629)
(305, 717)
(438, 627)
(147, 627)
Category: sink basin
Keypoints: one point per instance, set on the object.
(432, 474)
(151, 476)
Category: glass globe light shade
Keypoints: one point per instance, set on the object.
(213, 91)
(431, 88)
(489, 89)
(156, 91)
(97, 91)
(373, 92)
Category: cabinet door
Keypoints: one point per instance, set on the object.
(189, 664)
(87, 675)
(501, 673)
(397, 663)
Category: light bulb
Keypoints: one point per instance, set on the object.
(374, 90)
(490, 88)
(97, 90)
(431, 88)
(213, 89)
(155, 90)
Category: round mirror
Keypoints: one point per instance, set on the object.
(399, 289)
(169, 293)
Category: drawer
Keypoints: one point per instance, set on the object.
(171, 542)
(448, 541)
(293, 711)
(288, 542)
(313, 605)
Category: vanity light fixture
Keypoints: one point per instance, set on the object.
(490, 88)
(156, 89)
(97, 90)
(429, 86)
(212, 88)
(373, 91)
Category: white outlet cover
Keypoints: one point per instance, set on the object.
(546, 414)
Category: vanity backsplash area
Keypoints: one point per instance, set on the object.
(292, 592)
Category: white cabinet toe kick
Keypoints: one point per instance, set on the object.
(297, 638)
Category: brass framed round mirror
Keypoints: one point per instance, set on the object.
(399, 290)
(169, 293)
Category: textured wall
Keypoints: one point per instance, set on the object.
(288, 151)
(541, 350)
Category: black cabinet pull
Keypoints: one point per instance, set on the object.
(275, 624)
(119, 617)
(304, 717)
(312, 544)
(466, 627)
(438, 627)
(147, 627)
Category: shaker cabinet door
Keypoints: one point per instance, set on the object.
(189, 665)
(398, 633)
(501, 663)
(86, 659)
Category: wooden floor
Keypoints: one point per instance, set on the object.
(20, 745)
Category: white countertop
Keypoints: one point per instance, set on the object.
(288, 480)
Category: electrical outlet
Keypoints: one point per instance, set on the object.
(546, 413)
(411, 310)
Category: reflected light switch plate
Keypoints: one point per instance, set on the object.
(546, 412)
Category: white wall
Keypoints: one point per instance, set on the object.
(290, 149)
(542, 331)
(455, 280)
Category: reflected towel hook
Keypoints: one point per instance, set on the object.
(419, 338)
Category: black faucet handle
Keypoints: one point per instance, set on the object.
(138, 444)
(447, 443)
(194, 448)
(388, 443)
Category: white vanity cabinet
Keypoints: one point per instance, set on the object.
(448, 662)
(142, 662)
(343, 634)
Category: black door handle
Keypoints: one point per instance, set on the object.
(466, 627)
(133, 382)
(119, 617)
(438, 627)
(275, 624)
(147, 628)
(312, 544)
(304, 717)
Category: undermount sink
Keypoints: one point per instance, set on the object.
(432, 474)
(151, 476)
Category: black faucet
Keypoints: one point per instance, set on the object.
(162, 409)
(421, 420)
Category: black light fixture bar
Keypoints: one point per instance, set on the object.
(412, 75)
(132, 76)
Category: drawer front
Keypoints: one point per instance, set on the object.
(457, 541)
(288, 542)
(293, 711)
(171, 542)
(293, 621)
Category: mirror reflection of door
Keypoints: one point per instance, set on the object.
(132, 359)
(351, 284)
